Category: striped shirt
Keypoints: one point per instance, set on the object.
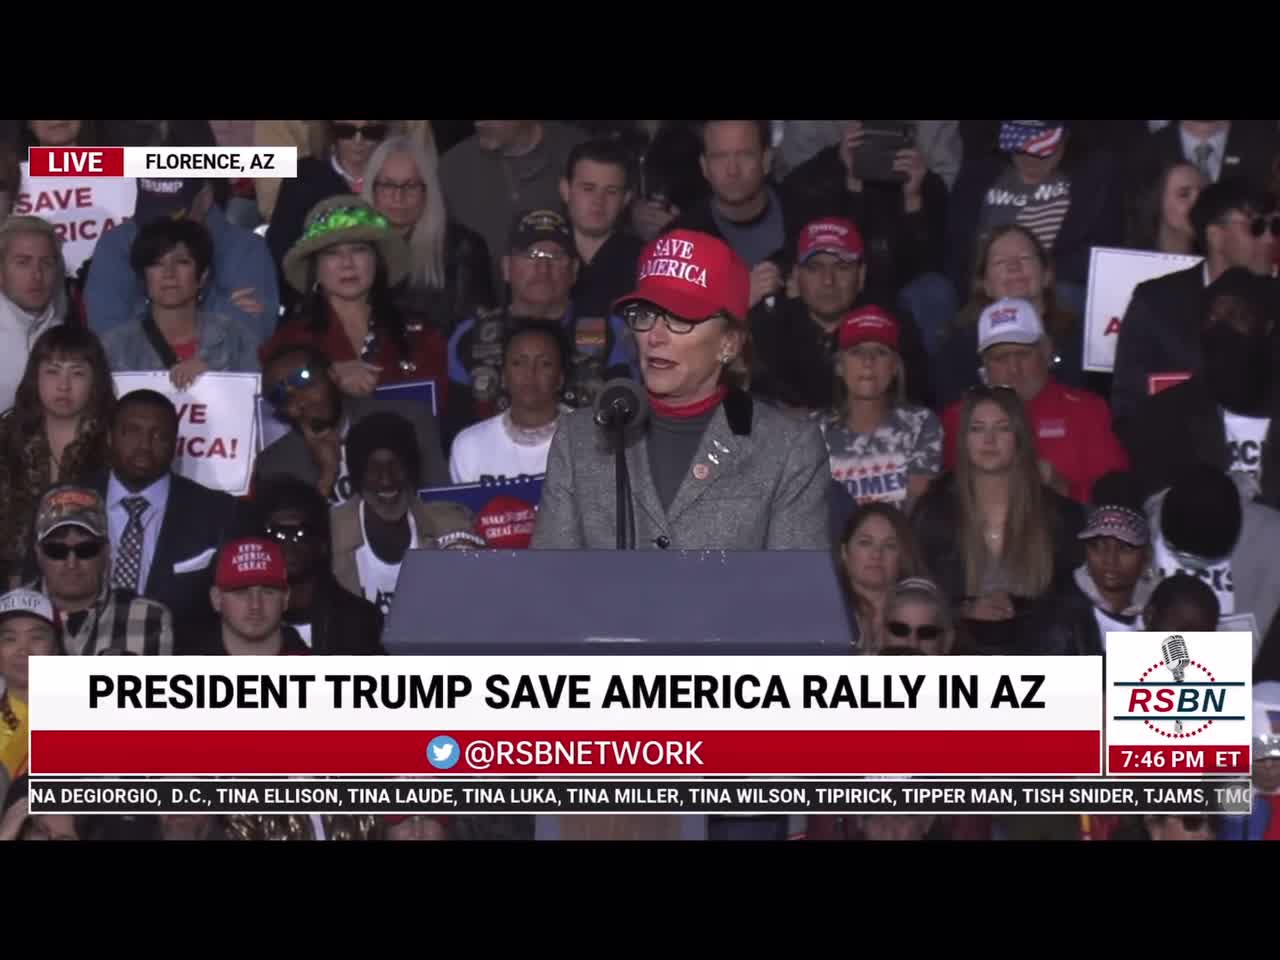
(120, 621)
(1041, 207)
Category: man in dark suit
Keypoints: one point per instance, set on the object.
(296, 383)
(165, 530)
(1234, 224)
(1220, 148)
(329, 619)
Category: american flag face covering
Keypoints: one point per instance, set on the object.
(1037, 138)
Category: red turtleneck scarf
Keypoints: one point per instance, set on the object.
(688, 410)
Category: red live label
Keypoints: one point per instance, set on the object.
(77, 161)
(1167, 759)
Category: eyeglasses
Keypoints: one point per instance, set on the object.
(296, 380)
(410, 189)
(290, 532)
(370, 131)
(83, 551)
(641, 318)
(926, 631)
(1259, 225)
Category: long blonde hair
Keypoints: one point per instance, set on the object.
(426, 237)
(1028, 538)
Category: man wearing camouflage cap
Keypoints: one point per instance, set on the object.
(73, 550)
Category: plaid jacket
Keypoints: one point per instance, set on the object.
(120, 621)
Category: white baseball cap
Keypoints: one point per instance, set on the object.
(28, 603)
(1009, 321)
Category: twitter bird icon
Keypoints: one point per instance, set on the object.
(443, 752)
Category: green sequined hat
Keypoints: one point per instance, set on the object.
(345, 219)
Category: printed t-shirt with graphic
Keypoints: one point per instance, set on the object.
(875, 467)
(1040, 207)
(1246, 437)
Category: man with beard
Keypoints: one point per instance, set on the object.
(1223, 414)
(297, 385)
(33, 294)
(795, 335)
(329, 620)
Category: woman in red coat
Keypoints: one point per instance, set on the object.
(345, 264)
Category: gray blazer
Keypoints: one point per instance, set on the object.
(765, 487)
(289, 455)
(225, 344)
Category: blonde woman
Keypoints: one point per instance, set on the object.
(997, 539)
(449, 274)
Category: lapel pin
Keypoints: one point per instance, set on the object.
(701, 471)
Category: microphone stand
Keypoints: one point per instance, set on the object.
(626, 514)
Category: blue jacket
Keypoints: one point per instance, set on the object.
(225, 345)
(114, 294)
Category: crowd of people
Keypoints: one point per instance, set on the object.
(857, 336)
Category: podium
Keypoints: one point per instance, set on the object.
(618, 603)
(640, 602)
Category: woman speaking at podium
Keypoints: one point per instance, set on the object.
(709, 468)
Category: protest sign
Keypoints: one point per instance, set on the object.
(81, 209)
(1113, 275)
(505, 509)
(216, 425)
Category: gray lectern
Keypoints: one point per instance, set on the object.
(637, 602)
(617, 602)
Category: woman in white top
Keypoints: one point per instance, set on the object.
(515, 442)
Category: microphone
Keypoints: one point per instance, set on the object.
(1175, 655)
(622, 403)
(1174, 650)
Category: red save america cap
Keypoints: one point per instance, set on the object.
(868, 324)
(834, 235)
(693, 275)
(251, 562)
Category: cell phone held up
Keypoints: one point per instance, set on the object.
(881, 140)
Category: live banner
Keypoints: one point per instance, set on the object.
(271, 428)
(1113, 275)
(81, 209)
(505, 508)
(217, 425)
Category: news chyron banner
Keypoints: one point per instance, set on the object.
(1179, 704)
(460, 717)
(164, 162)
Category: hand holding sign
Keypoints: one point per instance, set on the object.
(185, 373)
(216, 424)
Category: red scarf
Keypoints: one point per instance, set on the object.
(690, 410)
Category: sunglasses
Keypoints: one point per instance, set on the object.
(83, 551)
(302, 377)
(370, 131)
(641, 318)
(290, 533)
(1259, 225)
(926, 631)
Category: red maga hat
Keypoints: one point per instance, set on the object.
(692, 275)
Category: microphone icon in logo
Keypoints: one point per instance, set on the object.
(1174, 650)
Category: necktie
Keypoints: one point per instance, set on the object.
(128, 563)
(1203, 152)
